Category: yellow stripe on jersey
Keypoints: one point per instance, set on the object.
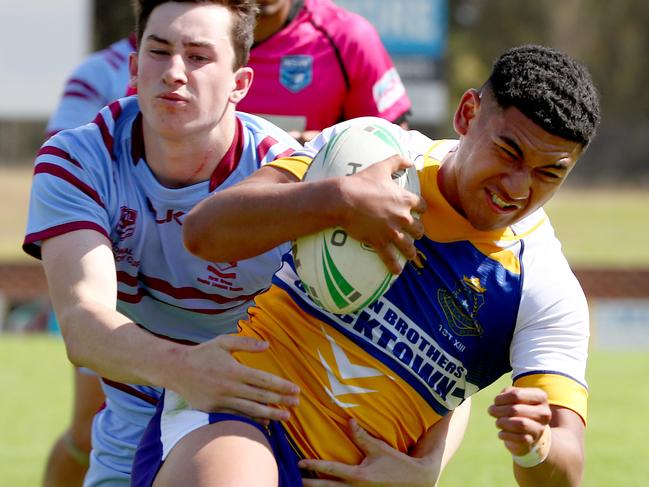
(337, 380)
(443, 224)
(439, 145)
(562, 391)
(295, 165)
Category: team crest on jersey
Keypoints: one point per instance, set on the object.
(296, 72)
(126, 224)
(461, 306)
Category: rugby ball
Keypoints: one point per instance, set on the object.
(341, 274)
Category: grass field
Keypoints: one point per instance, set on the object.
(36, 380)
(602, 227)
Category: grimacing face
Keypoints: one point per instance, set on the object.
(184, 68)
(505, 166)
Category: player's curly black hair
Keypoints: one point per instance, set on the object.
(550, 88)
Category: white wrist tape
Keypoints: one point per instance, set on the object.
(539, 452)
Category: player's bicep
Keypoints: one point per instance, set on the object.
(80, 267)
(271, 174)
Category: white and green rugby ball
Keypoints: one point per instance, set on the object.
(340, 274)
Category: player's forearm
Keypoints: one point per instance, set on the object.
(250, 219)
(564, 466)
(442, 440)
(107, 342)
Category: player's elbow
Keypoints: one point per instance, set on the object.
(73, 346)
(197, 241)
(191, 238)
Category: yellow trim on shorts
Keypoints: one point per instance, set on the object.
(562, 391)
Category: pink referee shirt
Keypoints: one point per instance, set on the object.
(326, 65)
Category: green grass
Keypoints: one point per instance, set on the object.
(602, 228)
(615, 436)
(36, 380)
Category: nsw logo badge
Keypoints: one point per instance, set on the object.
(296, 72)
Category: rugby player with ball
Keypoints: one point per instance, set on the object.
(486, 291)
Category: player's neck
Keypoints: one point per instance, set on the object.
(267, 25)
(189, 159)
(447, 181)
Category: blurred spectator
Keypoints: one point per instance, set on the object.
(100, 78)
(317, 64)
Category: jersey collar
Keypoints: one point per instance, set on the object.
(230, 160)
(224, 168)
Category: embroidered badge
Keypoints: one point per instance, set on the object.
(296, 72)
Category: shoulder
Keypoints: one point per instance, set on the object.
(125, 45)
(548, 278)
(108, 60)
(93, 67)
(98, 142)
(537, 233)
(266, 136)
(104, 74)
(257, 125)
(343, 26)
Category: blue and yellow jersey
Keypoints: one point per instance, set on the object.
(473, 306)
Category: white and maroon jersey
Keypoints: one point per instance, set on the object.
(101, 78)
(96, 177)
(326, 65)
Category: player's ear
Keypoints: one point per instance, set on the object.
(466, 111)
(132, 69)
(242, 81)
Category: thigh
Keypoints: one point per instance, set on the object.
(227, 453)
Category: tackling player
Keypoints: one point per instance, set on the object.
(107, 204)
(488, 292)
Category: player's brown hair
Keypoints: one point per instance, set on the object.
(244, 14)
